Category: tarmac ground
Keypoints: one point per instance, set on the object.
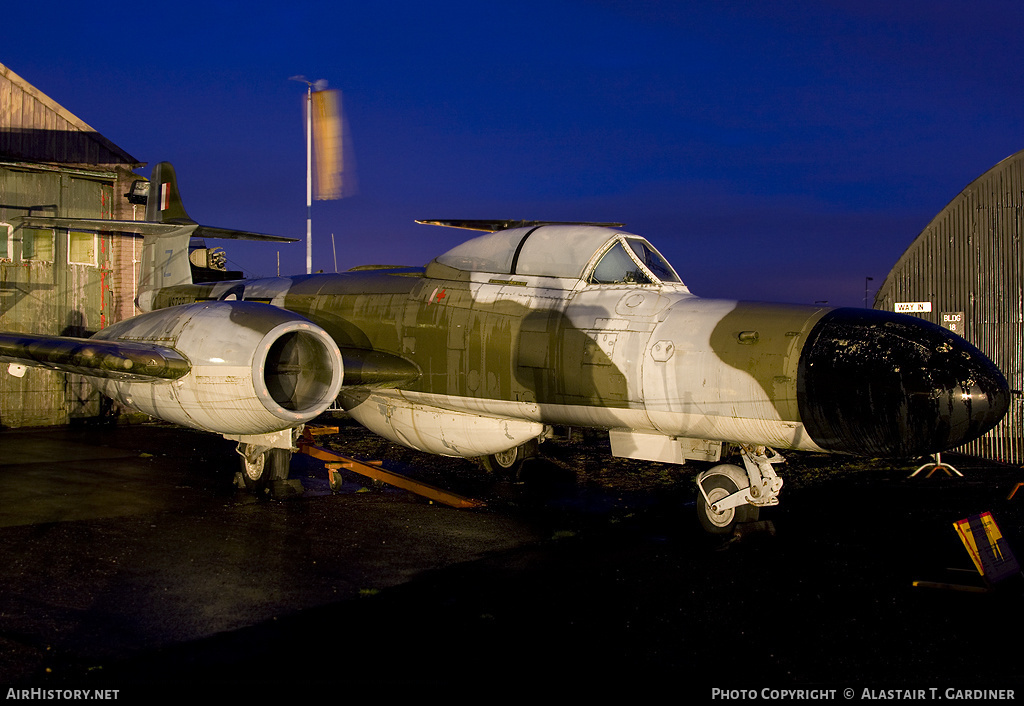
(132, 562)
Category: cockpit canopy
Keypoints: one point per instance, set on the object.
(599, 255)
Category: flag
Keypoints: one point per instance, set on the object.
(334, 179)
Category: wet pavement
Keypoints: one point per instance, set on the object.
(131, 562)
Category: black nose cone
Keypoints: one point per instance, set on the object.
(881, 384)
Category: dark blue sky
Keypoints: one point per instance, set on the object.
(779, 150)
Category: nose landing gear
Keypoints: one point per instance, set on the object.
(731, 495)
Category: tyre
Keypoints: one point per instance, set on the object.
(508, 463)
(264, 469)
(717, 488)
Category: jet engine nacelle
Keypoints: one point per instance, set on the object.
(254, 368)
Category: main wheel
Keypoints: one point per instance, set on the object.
(719, 487)
(508, 463)
(264, 469)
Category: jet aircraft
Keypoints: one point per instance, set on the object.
(527, 327)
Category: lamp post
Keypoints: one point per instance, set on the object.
(320, 85)
(866, 280)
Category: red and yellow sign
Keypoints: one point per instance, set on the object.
(988, 549)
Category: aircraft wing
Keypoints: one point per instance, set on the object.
(123, 360)
(147, 228)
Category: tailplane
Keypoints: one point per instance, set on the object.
(168, 231)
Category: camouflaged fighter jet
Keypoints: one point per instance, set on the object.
(529, 326)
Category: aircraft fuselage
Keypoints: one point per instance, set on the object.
(651, 358)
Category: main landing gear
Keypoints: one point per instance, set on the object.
(262, 466)
(509, 463)
(265, 468)
(731, 495)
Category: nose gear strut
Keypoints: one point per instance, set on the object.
(727, 488)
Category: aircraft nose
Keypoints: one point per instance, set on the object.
(881, 384)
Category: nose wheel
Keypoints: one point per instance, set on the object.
(714, 516)
(730, 495)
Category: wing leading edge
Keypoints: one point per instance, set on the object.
(147, 228)
(123, 360)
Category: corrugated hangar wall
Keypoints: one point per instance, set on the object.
(56, 281)
(963, 272)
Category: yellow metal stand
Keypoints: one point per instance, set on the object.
(334, 462)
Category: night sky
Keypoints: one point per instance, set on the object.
(779, 151)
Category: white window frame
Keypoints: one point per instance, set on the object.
(95, 247)
(9, 256)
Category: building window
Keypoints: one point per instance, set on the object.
(37, 244)
(6, 241)
(81, 248)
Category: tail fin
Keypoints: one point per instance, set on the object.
(164, 260)
(164, 202)
(164, 263)
(165, 250)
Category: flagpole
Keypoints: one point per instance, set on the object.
(309, 178)
(309, 169)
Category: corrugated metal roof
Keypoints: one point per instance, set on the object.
(966, 267)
